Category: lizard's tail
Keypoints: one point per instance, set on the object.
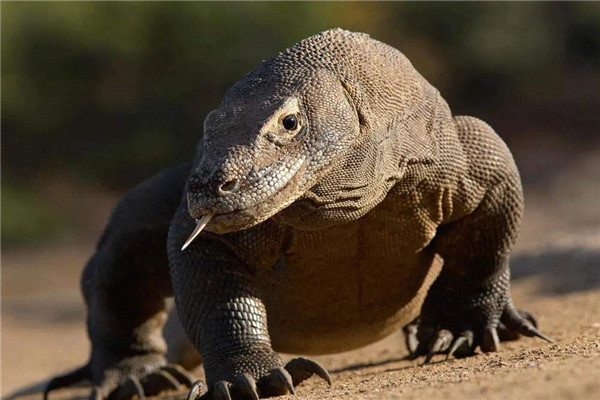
(67, 379)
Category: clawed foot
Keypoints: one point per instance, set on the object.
(170, 377)
(132, 378)
(278, 382)
(431, 336)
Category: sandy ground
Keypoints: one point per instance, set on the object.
(556, 275)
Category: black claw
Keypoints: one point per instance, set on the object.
(65, 380)
(284, 378)
(441, 344)
(490, 341)
(247, 386)
(531, 331)
(523, 323)
(319, 370)
(528, 328)
(221, 391)
(302, 368)
(179, 373)
(429, 356)
(139, 389)
(130, 388)
(425, 336)
(421, 350)
(195, 390)
(158, 381)
(459, 343)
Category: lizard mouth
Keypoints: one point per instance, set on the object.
(245, 218)
(202, 222)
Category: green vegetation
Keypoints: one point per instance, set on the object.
(110, 92)
(25, 216)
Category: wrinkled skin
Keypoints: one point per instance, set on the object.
(343, 201)
(250, 171)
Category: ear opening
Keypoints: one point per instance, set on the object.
(354, 96)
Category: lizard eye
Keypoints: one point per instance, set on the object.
(290, 122)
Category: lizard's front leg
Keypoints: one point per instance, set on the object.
(470, 302)
(125, 285)
(223, 314)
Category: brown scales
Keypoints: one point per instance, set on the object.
(372, 207)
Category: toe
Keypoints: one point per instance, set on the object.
(158, 382)
(221, 391)
(490, 341)
(505, 334)
(440, 344)
(522, 323)
(196, 390)
(179, 373)
(130, 389)
(462, 346)
(277, 383)
(410, 335)
(529, 317)
(96, 394)
(245, 385)
(302, 368)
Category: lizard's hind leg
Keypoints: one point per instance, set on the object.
(125, 285)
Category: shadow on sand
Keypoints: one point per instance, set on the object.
(562, 271)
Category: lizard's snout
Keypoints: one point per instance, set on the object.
(239, 197)
(214, 184)
(214, 192)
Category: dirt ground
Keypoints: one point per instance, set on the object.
(556, 275)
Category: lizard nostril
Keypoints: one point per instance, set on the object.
(229, 186)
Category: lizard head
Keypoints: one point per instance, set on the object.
(313, 137)
(273, 137)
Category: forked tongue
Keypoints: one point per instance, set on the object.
(199, 226)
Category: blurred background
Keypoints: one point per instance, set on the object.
(97, 96)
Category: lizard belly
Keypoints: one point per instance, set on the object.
(350, 285)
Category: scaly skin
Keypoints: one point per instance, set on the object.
(347, 212)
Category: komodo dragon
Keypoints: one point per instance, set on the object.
(332, 183)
